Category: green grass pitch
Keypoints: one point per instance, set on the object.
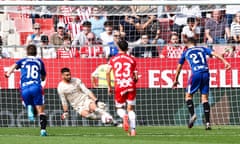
(114, 135)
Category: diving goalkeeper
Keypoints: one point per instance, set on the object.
(73, 91)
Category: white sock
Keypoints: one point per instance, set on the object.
(121, 112)
(132, 119)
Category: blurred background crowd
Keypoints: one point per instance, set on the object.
(93, 31)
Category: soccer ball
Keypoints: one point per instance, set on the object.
(107, 118)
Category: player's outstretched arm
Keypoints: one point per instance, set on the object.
(178, 70)
(227, 65)
(10, 70)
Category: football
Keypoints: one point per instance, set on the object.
(107, 119)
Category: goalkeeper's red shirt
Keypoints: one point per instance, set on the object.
(123, 66)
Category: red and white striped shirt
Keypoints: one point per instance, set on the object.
(65, 16)
(74, 28)
(70, 53)
(84, 13)
(92, 51)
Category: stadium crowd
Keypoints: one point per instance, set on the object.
(92, 32)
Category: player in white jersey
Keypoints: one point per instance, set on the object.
(73, 91)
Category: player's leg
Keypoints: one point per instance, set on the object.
(193, 86)
(39, 105)
(131, 102)
(204, 89)
(95, 111)
(27, 101)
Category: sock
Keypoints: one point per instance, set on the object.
(190, 106)
(206, 108)
(43, 121)
(121, 112)
(132, 119)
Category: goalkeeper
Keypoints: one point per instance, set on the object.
(83, 101)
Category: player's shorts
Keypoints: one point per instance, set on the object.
(198, 81)
(129, 97)
(83, 104)
(32, 95)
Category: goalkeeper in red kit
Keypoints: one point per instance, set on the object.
(125, 78)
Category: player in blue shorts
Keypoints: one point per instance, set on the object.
(199, 80)
(32, 74)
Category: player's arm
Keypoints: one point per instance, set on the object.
(11, 70)
(227, 65)
(87, 91)
(108, 77)
(178, 70)
(65, 113)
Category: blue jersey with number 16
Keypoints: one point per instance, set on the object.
(197, 58)
(32, 69)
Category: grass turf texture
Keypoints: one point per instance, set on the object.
(114, 135)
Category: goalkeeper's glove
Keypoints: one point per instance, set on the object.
(65, 115)
(100, 105)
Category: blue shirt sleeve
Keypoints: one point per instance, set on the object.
(182, 59)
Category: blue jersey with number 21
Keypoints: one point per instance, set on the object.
(32, 69)
(197, 59)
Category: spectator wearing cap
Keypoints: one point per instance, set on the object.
(34, 38)
(45, 50)
(56, 38)
(81, 38)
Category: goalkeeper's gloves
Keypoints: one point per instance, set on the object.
(100, 105)
(65, 115)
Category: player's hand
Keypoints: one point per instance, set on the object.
(109, 90)
(6, 75)
(175, 83)
(227, 66)
(65, 115)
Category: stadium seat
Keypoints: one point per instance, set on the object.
(47, 25)
(23, 25)
(23, 37)
(13, 16)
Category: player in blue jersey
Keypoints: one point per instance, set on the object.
(32, 74)
(199, 80)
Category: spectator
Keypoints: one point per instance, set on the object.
(97, 22)
(235, 28)
(35, 38)
(57, 39)
(92, 49)
(216, 28)
(145, 50)
(231, 11)
(81, 38)
(66, 51)
(173, 49)
(45, 50)
(107, 35)
(74, 27)
(130, 26)
(181, 17)
(191, 30)
(116, 19)
(112, 48)
(151, 26)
